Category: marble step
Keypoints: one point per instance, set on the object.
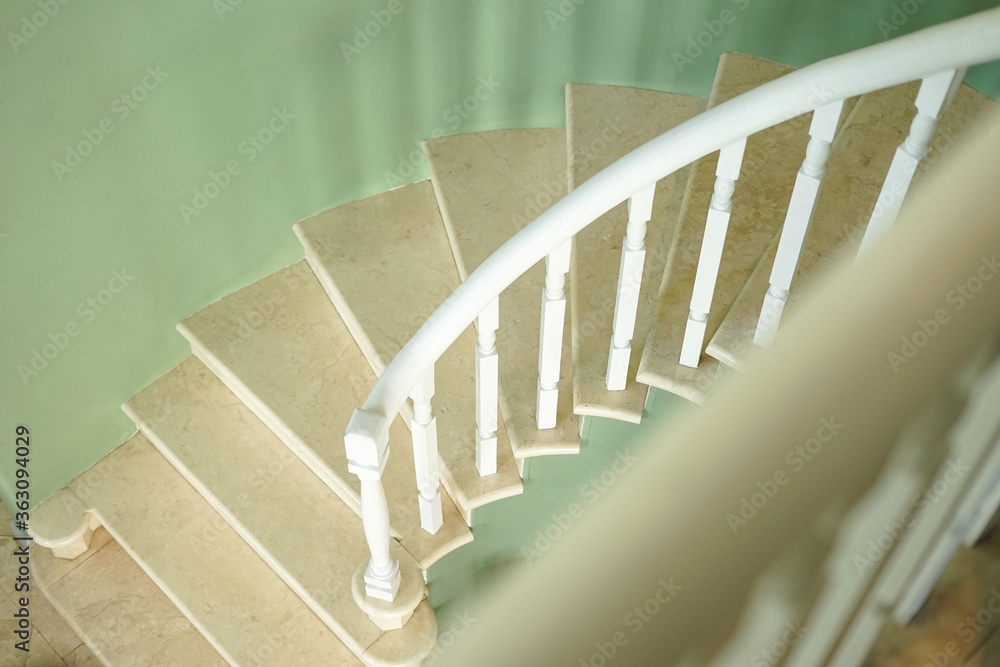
(489, 185)
(118, 611)
(604, 123)
(856, 169)
(385, 264)
(281, 347)
(763, 190)
(290, 518)
(226, 591)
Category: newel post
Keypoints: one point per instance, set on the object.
(367, 444)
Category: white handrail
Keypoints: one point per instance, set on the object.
(677, 564)
(952, 46)
(967, 41)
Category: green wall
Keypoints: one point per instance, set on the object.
(98, 257)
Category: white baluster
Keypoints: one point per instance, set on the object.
(367, 445)
(640, 210)
(936, 92)
(797, 219)
(551, 335)
(425, 455)
(727, 172)
(487, 378)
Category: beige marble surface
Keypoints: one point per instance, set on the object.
(124, 617)
(40, 652)
(82, 657)
(860, 159)
(290, 518)
(489, 185)
(48, 624)
(604, 123)
(56, 568)
(386, 264)
(280, 346)
(206, 569)
(770, 163)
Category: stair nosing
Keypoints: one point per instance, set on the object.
(281, 430)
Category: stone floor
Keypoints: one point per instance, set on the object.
(53, 643)
(956, 628)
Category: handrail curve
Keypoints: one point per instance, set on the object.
(968, 41)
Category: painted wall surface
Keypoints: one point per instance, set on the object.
(156, 154)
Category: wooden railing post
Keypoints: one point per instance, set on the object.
(798, 218)
(936, 92)
(551, 335)
(640, 210)
(727, 172)
(425, 454)
(487, 389)
(367, 444)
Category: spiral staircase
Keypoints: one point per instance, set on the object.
(238, 525)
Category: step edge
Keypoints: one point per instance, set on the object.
(281, 430)
(519, 449)
(459, 496)
(169, 592)
(279, 568)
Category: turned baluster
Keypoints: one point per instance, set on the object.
(797, 219)
(640, 210)
(487, 379)
(727, 172)
(551, 335)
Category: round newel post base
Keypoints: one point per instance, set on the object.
(391, 615)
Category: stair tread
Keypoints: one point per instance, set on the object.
(770, 163)
(856, 169)
(280, 346)
(489, 185)
(119, 612)
(228, 593)
(273, 500)
(396, 240)
(605, 123)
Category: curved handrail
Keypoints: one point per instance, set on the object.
(668, 523)
(961, 43)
